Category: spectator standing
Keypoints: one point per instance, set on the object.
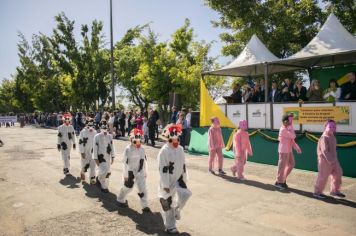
(174, 115)
(247, 95)
(111, 123)
(181, 120)
(274, 94)
(122, 122)
(151, 124)
(333, 92)
(300, 91)
(155, 113)
(139, 120)
(286, 95)
(314, 92)
(348, 90)
(288, 83)
(236, 94)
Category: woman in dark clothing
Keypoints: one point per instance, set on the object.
(122, 121)
(300, 91)
(286, 95)
(151, 124)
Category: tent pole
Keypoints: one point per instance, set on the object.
(266, 81)
(266, 90)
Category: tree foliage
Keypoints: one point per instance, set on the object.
(284, 26)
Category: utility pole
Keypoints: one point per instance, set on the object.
(112, 61)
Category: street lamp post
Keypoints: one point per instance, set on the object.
(112, 61)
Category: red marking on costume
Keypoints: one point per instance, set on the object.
(173, 128)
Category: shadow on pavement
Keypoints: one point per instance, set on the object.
(148, 223)
(108, 200)
(70, 181)
(268, 187)
(328, 199)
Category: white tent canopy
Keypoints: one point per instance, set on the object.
(250, 62)
(332, 45)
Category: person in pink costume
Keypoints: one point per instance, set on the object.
(328, 164)
(215, 145)
(242, 148)
(286, 161)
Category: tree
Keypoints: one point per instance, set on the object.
(285, 26)
(345, 10)
(8, 102)
(127, 63)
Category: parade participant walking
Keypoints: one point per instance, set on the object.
(104, 155)
(134, 169)
(173, 191)
(86, 139)
(328, 164)
(286, 161)
(215, 145)
(65, 141)
(242, 148)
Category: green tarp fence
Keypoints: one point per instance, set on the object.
(266, 151)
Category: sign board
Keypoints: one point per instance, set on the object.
(8, 119)
(318, 114)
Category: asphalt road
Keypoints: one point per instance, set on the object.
(37, 199)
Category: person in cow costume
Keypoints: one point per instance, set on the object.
(104, 155)
(173, 191)
(242, 148)
(86, 139)
(65, 141)
(328, 164)
(134, 169)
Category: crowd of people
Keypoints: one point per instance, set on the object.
(120, 122)
(297, 92)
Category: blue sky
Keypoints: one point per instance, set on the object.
(34, 16)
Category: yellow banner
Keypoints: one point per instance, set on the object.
(319, 115)
(208, 109)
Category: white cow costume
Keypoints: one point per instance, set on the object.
(104, 155)
(65, 141)
(135, 168)
(86, 140)
(173, 191)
